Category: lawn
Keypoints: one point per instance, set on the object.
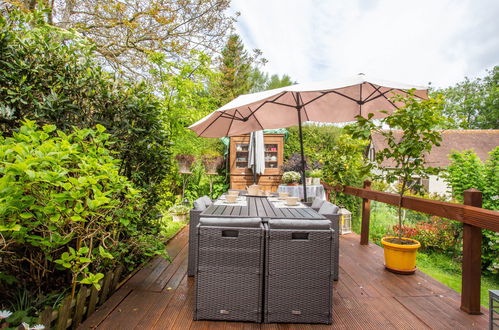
(442, 267)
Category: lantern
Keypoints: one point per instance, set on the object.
(345, 221)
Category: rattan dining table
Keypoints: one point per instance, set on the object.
(261, 207)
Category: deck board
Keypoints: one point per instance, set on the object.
(161, 296)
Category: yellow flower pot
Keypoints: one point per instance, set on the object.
(400, 258)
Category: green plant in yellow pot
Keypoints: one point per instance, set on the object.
(412, 134)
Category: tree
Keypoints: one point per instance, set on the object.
(417, 119)
(276, 82)
(235, 71)
(126, 32)
(474, 104)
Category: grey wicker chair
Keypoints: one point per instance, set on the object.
(298, 272)
(199, 206)
(230, 261)
(330, 211)
(316, 204)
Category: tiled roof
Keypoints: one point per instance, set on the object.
(480, 141)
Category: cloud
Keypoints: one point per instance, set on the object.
(413, 42)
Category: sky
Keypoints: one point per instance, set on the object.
(416, 42)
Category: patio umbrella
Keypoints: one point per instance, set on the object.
(327, 101)
(256, 151)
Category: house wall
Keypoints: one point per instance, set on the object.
(438, 185)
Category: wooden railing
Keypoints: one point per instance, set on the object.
(470, 214)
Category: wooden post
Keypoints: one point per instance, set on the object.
(366, 214)
(472, 258)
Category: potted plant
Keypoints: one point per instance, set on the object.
(316, 175)
(179, 212)
(308, 178)
(184, 162)
(406, 149)
(291, 178)
(212, 162)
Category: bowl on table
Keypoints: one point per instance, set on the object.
(283, 195)
(233, 192)
(292, 201)
(231, 198)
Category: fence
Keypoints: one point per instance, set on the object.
(73, 311)
(470, 214)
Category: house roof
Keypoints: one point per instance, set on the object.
(480, 141)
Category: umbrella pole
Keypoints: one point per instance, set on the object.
(302, 156)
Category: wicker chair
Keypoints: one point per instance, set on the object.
(298, 272)
(316, 204)
(199, 206)
(229, 278)
(330, 211)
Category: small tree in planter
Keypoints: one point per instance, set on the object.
(212, 162)
(417, 120)
(184, 162)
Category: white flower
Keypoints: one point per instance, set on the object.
(35, 327)
(5, 314)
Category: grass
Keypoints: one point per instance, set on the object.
(441, 267)
(446, 270)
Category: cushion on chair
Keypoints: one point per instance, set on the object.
(231, 222)
(328, 208)
(317, 203)
(199, 205)
(299, 224)
(207, 200)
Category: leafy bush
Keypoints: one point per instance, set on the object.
(51, 75)
(467, 171)
(66, 214)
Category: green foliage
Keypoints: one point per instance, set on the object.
(345, 164)
(235, 69)
(51, 75)
(179, 209)
(473, 103)
(64, 207)
(467, 171)
(417, 119)
(317, 142)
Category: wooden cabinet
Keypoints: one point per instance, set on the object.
(241, 176)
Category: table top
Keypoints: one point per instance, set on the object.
(260, 207)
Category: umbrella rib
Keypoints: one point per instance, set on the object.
(261, 127)
(230, 125)
(209, 125)
(304, 109)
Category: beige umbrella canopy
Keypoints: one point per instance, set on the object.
(328, 101)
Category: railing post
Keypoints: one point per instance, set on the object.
(472, 258)
(366, 214)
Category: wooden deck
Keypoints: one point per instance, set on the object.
(160, 296)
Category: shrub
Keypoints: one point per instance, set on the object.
(66, 214)
(52, 76)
